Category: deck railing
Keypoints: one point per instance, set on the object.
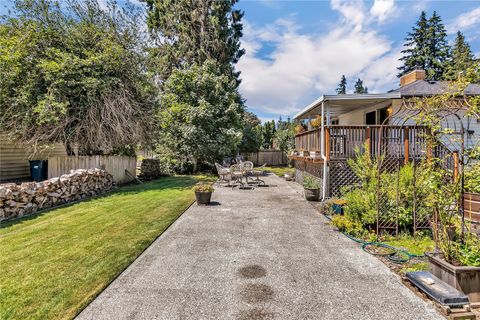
(341, 142)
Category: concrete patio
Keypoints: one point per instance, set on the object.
(256, 254)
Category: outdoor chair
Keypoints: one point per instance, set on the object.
(237, 175)
(247, 168)
(223, 173)
(257, 172)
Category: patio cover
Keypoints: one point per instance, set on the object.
(339, 104)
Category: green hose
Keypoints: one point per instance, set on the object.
(396, 255)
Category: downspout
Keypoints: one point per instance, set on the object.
(324, 157)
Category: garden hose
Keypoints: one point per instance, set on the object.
(395, 254)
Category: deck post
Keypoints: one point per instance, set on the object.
(327, 143)
(455, 165)
(368, 142)
(406, 145)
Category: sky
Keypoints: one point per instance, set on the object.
(297, 51)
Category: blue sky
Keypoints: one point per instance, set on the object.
(298, 50)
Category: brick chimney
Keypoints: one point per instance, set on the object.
(412, 76)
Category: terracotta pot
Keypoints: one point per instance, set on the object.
(203, 197)
(464, 279)
(312, 194)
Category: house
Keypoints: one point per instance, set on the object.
(14, 159)
(381, 123)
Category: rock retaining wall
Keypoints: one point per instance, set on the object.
(29, 197)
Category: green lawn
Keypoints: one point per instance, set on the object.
(54, 264)
(279, 171)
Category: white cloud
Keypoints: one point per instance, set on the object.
(383, 9)
(303, 66)
(465, 21)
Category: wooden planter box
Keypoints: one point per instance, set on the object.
(471, 202)
(315, 155)
(464, 279)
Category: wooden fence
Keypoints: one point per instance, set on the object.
(472, 206)
(270, 157)
(115, 165)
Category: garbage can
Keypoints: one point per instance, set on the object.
(39, 170)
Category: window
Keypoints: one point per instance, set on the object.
(335, 122)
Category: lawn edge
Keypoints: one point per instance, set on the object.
(124, 269)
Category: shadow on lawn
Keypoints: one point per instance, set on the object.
(171, 183)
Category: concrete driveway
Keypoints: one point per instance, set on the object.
(256, 254)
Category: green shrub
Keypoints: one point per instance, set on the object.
(349, 226)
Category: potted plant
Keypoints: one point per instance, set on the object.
(317, 122)
(311, 188)
(203, 193)
(299, 128)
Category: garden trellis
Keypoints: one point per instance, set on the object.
(416, 138)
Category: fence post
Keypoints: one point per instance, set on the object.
(406, 144)
(368, 143)
(455, 165)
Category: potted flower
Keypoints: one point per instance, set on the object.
(311, 188)
(203, 193)
(299, 128)
(317, 122)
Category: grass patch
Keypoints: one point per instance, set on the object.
(418, 245)
(279, 171)
(55, 263)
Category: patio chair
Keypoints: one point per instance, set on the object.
(257, 172)
(237, 175)
(247, 168)
(223, 173)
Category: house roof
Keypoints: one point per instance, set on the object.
(346, 102)
(430, 88)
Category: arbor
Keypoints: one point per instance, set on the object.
(426, 47)
(191, 31)
(359, 88)
(200, 117)
(342, 86)
(73, 74)
(462, 57)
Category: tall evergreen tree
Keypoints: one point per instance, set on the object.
(426, 47)
(192, 31)
(342, 86)
(462, 57)
(439, 50)
(359, 89)
(416, 47)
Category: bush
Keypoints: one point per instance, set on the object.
(349, 226)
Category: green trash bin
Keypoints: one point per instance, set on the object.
(39, 170)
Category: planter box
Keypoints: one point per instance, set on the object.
(304, 153)
(464, 279)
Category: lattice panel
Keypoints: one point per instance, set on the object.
(340, 175)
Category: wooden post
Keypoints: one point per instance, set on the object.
(406, 145)
(327, 143)
(455, 165)
(368, 140)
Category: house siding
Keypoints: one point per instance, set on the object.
(14, 159)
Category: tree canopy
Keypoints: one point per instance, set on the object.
(200, 117)
(73, 74)
(359, 88)
(426, 47)
(191, 31)
(342, 86)
(462, 57)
